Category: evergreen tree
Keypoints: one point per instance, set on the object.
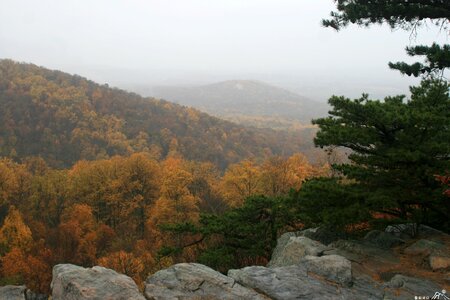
(240, 237)
(331, 204)
(397, 148)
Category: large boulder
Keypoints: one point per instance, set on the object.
(438, 253)
(281, 243)
(293, 282)
(361, 252)
(72, 282)
(12, 292)
(195, 281)
(424, 247)
(291, 249)
(332, 267)
(382, 239)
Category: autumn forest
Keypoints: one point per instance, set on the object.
(94, 176)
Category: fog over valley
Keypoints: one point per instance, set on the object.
(149, 43)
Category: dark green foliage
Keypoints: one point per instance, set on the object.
(241, 236)
(333, 206)
(220, 258)
(400, 13)
(397, 148)
(405, 14)
(437, 59)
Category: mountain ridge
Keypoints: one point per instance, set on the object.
(251, 99)
(65, 118)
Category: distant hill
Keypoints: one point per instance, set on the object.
(248, 102)
(65, 118)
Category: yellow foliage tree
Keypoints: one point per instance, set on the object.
(240, 181)
(15, 182)
(176, 203)
(15, 233)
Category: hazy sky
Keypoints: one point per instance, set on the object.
(151, 42)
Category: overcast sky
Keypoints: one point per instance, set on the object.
(138, 43)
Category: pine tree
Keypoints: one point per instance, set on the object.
(405, 14)
(240, 237)
(397, 148)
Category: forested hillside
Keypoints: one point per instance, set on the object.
(248, 102)
(111, 212)
(91, 175)
(64, 118)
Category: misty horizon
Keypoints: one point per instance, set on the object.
(145, 44)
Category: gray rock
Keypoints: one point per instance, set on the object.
(409, 287)
(72, 282)
(12, 292)
(195, 281)
(333, 267)
(382, 239)
(290, 282)
(423, 247)
(30, 295)
(364, 287)
(353, 257)
(281, 243)
(291, 249)
(409, 230)
(360, 252)
(16, 292)
(293, 282)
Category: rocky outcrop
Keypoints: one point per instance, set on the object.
(436, 253)
(382, 266)
(293, 282)
(344, 269)
(423, 247)
(300, 270)
(195, 281)
(411, 287)
(291, 249)
(72, 282)
(19, 292)
(382, 239)
(359, 252)
(332, 267)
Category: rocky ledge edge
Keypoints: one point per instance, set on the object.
(308, 264)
